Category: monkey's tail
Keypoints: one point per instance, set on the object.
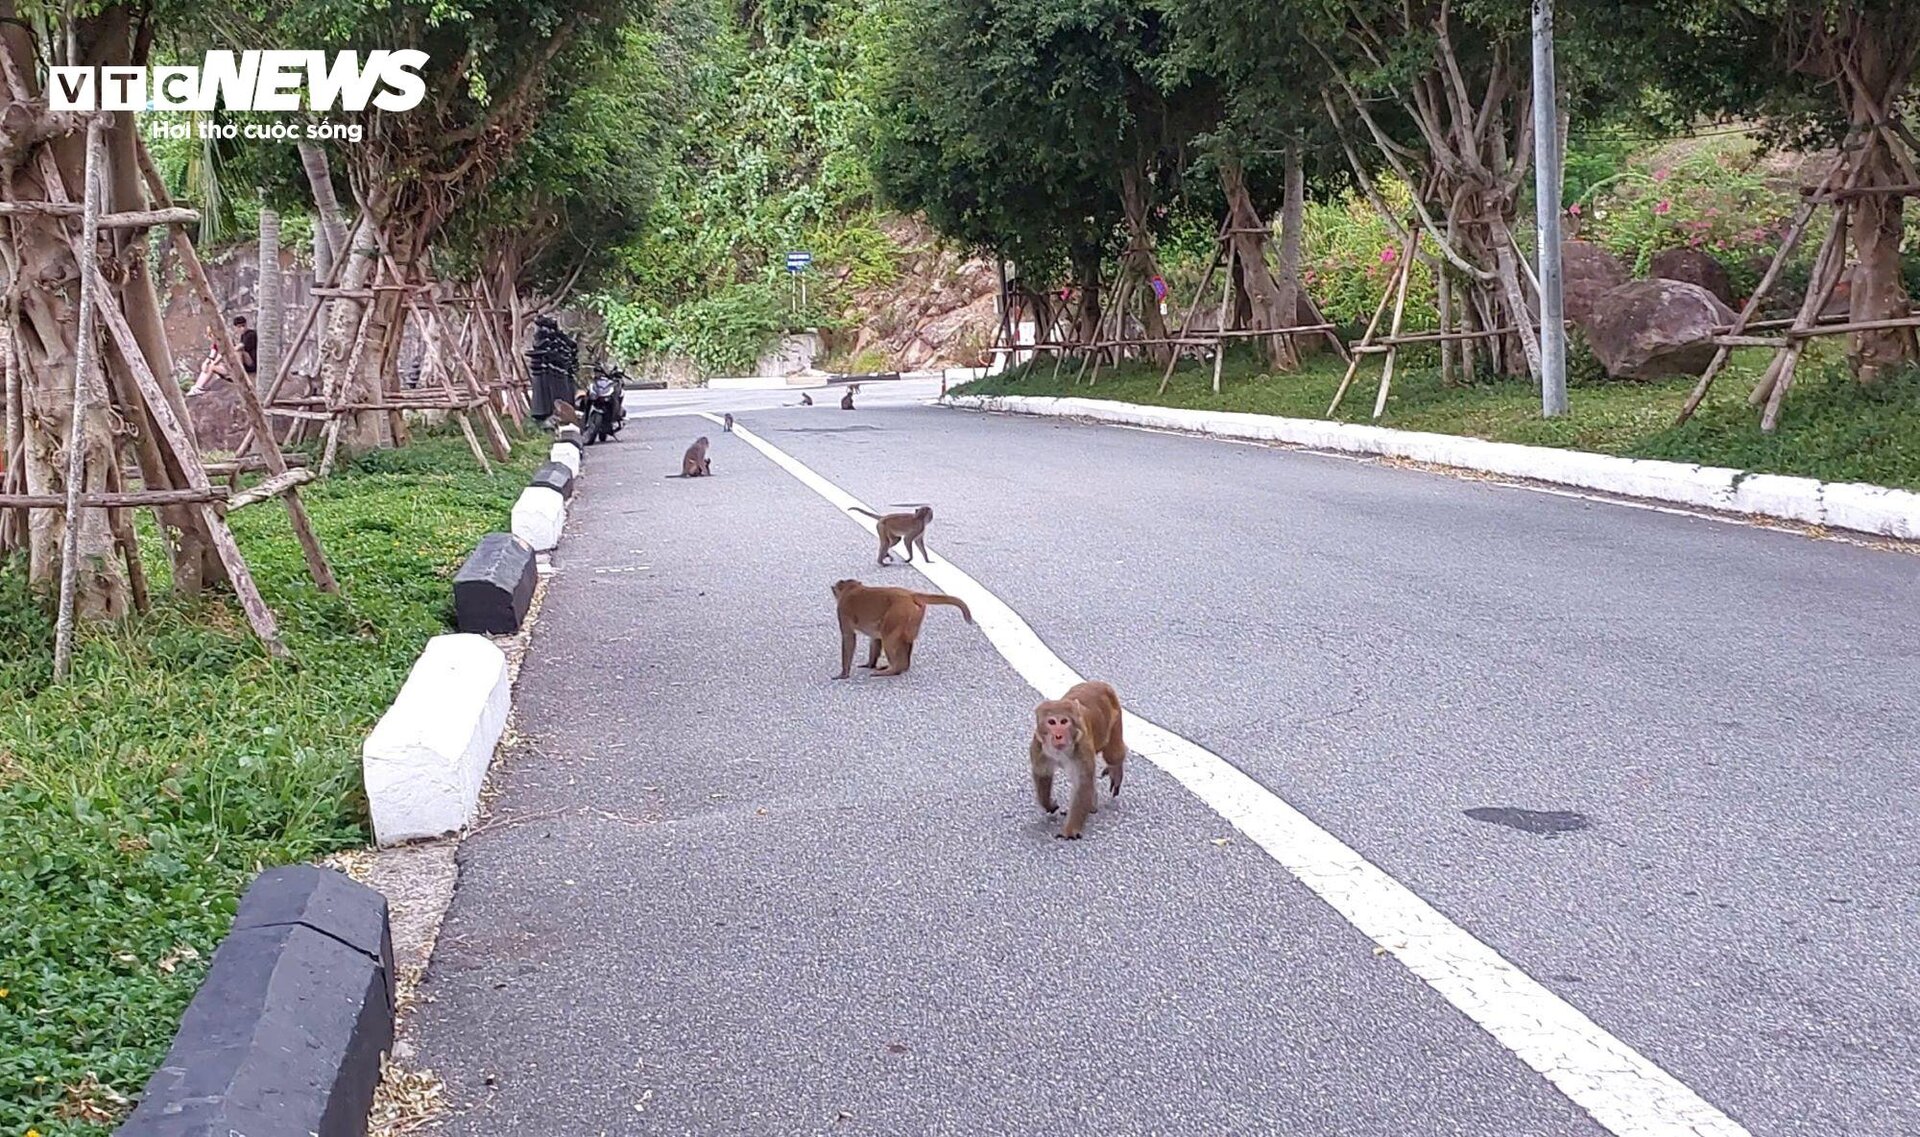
(867, 512)
(937, 598)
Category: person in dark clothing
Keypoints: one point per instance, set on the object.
(248, 342)
(249, 345)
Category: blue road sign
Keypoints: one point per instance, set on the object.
(796, 262)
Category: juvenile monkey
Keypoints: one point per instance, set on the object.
(1069, 731)
(846, 400)
(889, 616)
(728, 425)
(901, 528)
(695, 463)
(806, 400)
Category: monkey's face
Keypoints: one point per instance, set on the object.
(840, 586)
(924, 513)
(1057, 726)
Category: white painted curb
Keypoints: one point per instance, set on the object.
(539, 515)
(567, 454)
(427, 758)
(1843, 505)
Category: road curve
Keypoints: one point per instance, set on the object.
(720, 893)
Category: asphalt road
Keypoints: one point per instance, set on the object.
(719, 893)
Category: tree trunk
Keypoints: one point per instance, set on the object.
(333, 226)
(1292, 230)
(1268, 305)
(1086, 300)
(40, 270)
(270, 315)
(349, 354)
(1139, 265)
(1879, 290)
(105, 41)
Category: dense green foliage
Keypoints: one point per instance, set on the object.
(769, 160)
(138, 799)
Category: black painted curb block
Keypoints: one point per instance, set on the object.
(555, 477)
(494, 588)
(840, 377)
(285, 1036)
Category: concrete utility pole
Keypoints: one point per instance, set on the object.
(1547, 158)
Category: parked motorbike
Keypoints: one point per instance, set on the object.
(603, 406)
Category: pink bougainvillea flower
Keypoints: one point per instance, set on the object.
(1661, 174)
(1574, 209)
(1663, 207)
(1388, 254)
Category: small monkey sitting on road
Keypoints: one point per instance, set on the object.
(889, 616)
(806, 400)
(1070, 730)
(695, 463)
(728, 425)
(846, 400)
(901, 528)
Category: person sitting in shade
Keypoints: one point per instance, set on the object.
(249, 345)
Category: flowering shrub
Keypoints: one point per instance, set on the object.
(1349, 258)
(1714, 198)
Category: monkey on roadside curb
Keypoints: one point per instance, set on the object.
(1069, 731)
(695, 463)
(901, 528)
(846, 400)
(890, 617)
(728, 425)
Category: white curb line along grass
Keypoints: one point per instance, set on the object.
(1620, 1088)
(1863, 508)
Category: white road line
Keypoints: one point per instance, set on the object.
(1617, 1085)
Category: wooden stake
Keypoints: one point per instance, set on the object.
(1366, 337)
(121, 523)
(259, 616)
(1199, 294)
(1220, 324)
(83, 362)
(262, 431)
(1399, 309)
(1802, 217)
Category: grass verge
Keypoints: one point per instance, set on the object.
(1832, 428)
(138, 799)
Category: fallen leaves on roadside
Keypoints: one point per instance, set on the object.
(92, 1103)
(405, 1101)
(170, 962)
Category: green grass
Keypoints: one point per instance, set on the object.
(1831, 427)
(138, 799)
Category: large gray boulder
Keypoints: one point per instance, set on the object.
(1648, 328)
(1587, 273)
(1694, 267)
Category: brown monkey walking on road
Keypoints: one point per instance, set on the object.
(806, 400)
(728, 425)
(889, 616)
(1069, 731)
(901, 528)
(695, 463)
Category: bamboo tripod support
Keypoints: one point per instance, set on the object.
(1225, 256)
(1829, 268)
(419, 305)
(159, 394)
